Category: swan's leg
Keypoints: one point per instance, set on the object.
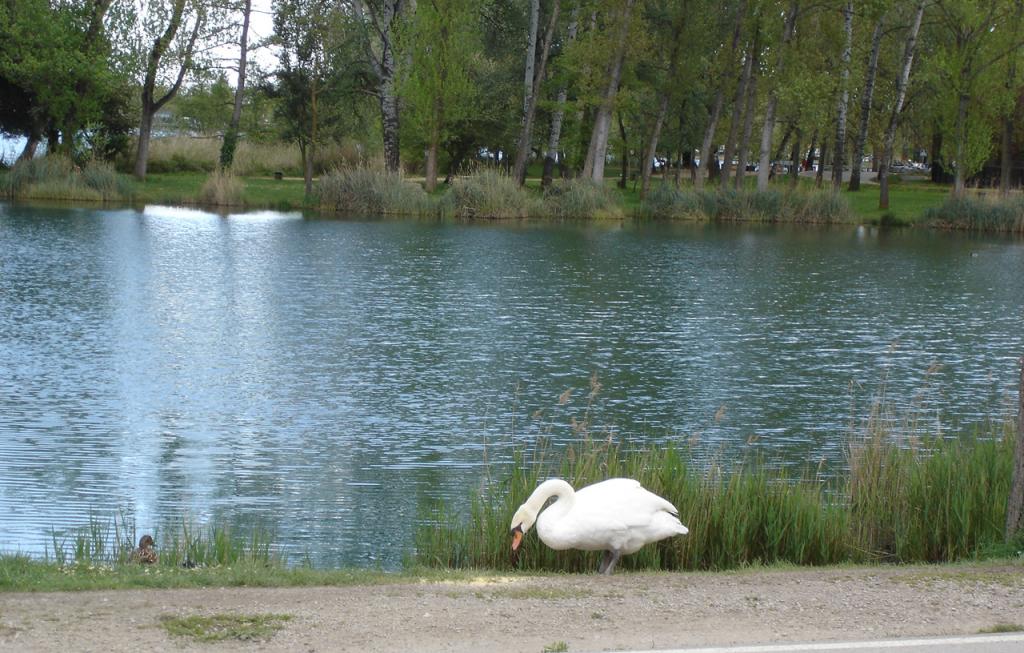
(608, 562)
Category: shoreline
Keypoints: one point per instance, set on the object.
(583, 612)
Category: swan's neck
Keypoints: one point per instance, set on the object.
(555, 487)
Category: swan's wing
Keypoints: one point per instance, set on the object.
(625, 498)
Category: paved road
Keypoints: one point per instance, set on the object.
(1007, 643)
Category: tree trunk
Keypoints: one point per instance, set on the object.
(748, 121)
(430, 182)
(819, 176)
(839, 157)
(795, 162)
(556, 117)
(810, 152)
(227, 149)
(385, 18)
(31, 145)
(389, 117)
(531, 55)
(716, 109)
(959, 182)
(594, 167)
(652, 147)
(624, 164)
(737, 113)
(1006, 157)
(938, 172)
(894, 117)
(526, 134)
(1015, 503)
(865, 106)
(764, 162)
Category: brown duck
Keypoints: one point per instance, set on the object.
(145, 554)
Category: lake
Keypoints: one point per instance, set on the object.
(333, 379)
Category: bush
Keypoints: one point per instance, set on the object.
(727, 204)
(979, 214)
(222, 188)
(369, 190)
(581, 198)
(490, 194)
(667, 202)
(56, 177)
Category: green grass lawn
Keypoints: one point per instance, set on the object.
(183, 188)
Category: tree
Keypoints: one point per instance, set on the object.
(380, 20)
(558, 113)
(56, 70)
(438, 43)
(897, 107)
(526, 133)
(300, 28)
(977, 35)
(227, 150)
(172, 54)
(867, 96)
(839, 156)
(594, 164)
(788, 30)
(716, 107)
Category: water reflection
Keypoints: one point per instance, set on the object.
(329, 378)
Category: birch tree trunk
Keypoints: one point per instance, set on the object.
(227, 148)
(865, 106)
(594, 167)
(526, 133)
(384, 16)
(764, 161)
(894, 118)
(716, 110)
(839, 157)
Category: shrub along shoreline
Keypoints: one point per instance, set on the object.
(489, 194)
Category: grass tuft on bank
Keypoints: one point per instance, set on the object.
(56, 177)
(987, 213)
(728, 205)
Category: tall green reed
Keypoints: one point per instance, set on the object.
(902, 499)
(110, 541)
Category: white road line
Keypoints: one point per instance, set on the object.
(848, 646)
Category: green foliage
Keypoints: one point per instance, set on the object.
(370, 191)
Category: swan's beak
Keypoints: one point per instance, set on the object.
(517, 537)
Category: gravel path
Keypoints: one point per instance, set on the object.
(524, 613)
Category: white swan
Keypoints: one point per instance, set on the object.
(616, 516)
